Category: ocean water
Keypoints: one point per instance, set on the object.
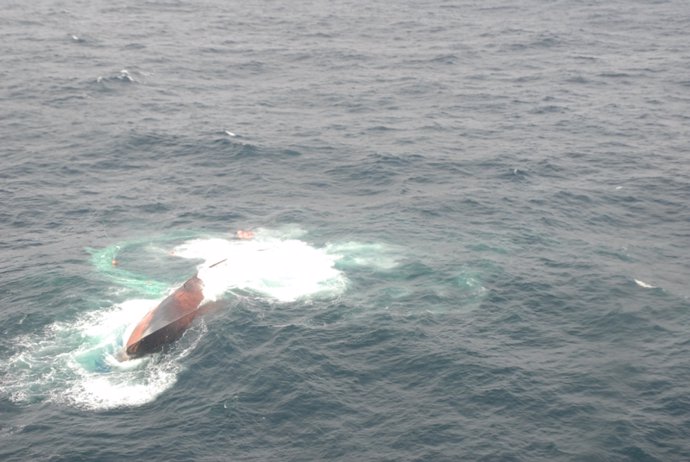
(471, 229)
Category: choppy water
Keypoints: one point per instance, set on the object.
(472, 229)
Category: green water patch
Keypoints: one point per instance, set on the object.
(352, 255)
(145, 267)
(106, 262)
(416, 287)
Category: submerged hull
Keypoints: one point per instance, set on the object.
(168, 321)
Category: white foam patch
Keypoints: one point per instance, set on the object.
(281, 269)
(76, 363)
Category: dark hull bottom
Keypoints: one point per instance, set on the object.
(166, 322)
(155, 341)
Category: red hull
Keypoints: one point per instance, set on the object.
(168, 321)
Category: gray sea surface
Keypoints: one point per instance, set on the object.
(471, 229)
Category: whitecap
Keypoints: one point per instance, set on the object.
(644, 284)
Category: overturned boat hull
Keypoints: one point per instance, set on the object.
(168, 321)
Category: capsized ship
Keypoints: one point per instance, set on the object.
(167, 321)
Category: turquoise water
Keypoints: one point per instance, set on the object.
(471, 230)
